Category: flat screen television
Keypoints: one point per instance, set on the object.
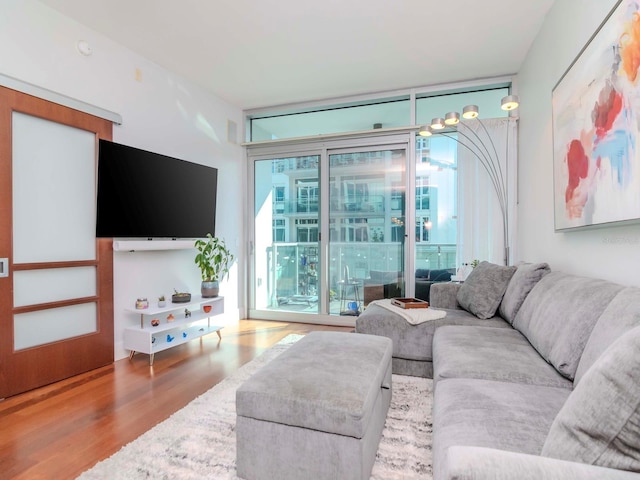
(147, 195)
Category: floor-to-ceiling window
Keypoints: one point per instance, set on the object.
(352, 222)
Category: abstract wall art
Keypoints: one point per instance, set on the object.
(596, 127)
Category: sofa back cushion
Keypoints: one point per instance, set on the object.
(441, 275)
(525, 278)
(600, 422)
(482, 291)
(620, 316)
(422, 273)
(558, 315)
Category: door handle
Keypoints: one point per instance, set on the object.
(4, 267)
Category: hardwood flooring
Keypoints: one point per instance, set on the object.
(61, 430)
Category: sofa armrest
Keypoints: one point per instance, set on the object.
(443, 295)
(477, 463)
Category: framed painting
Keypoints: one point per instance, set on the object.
(596, 127)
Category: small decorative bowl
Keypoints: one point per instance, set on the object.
(155, 322)
(181, 298)
(206, 308)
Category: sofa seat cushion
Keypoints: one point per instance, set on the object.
(558, 315)
(327, 381)
(502, 354)
(600, 422)
(462, 317)
(485, 413)
(525, 278)
(484, 288)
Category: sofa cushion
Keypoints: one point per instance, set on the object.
(485, 413)
(422, 273)
(558, 315)
(440, 275)
(491, 353)
(458, 316)
(620, 316)
(483, 289)
(600, 422)
(523, 280)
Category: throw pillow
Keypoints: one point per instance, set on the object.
(482, 291)
(600, 422)
(525, 278)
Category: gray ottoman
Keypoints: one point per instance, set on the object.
(316, 411)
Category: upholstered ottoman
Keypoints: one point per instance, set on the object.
(316, 411)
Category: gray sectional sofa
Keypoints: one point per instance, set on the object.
(536, 374)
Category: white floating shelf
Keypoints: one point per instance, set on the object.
(138, 245)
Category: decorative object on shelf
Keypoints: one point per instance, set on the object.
(596, 130)
(180, 297)
(170, 317)
(161, 302)
(184, 334)
(153, 339)
(142, 303)
(187, 313)
(155, 322)
(170, 338)
(474, 136)
(214, 261)
(206, 308)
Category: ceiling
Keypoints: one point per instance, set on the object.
(274, 52)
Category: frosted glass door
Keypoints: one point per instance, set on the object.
(56, 287)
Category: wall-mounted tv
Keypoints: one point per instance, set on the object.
(147, 195)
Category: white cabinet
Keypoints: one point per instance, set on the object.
(175, 325)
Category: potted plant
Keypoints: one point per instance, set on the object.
(161, 301)
(214, 260)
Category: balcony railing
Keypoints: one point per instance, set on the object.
(358, 204)
(293, 267)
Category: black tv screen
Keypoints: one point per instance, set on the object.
(147, 195)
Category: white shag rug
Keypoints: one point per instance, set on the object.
(199, 441)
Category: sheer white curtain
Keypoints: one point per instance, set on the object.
(480, 218)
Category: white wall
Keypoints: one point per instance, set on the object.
(611, 253)
(161, 112)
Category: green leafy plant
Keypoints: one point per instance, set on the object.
(213, 259)
(475, 263)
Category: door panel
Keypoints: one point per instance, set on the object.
(56, 304)
(366, 226)
(286, 225)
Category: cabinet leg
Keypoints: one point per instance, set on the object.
(151, 359)
(219, 336)
(131, 354)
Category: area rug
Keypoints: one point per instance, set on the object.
(199, 442)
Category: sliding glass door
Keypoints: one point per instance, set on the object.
(286, 234)
(366, 226)
(328, 231)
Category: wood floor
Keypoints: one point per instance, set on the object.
(61, 430)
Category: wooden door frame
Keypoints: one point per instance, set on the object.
(36, 366)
